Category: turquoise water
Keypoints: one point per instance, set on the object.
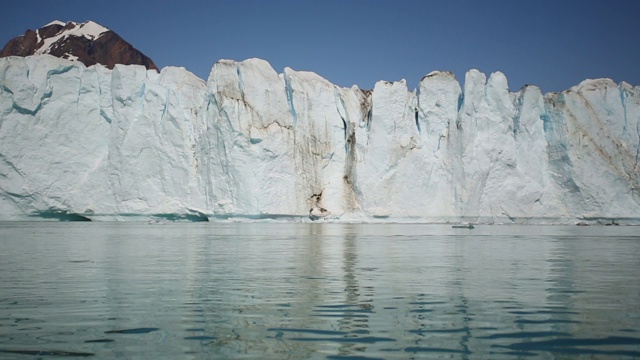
(317, 291)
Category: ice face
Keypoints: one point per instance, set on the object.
(127, 143)
(98, 142)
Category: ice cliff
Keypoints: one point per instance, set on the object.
(92, 143)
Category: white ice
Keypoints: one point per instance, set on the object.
(250, 143)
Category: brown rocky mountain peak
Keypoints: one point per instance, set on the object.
(87, 42)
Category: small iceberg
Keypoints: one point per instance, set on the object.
(464, 226)
(158, 222)
(317, 213)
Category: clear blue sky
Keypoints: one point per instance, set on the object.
(554, 44)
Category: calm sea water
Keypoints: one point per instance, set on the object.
(317, 291)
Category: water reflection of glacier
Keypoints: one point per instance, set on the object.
(319, 291)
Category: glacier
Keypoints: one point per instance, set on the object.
(90, 143)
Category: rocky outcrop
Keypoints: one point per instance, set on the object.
(88, 43)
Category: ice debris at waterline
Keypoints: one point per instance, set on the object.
(99, 144)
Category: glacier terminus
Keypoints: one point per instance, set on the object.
(93, 143)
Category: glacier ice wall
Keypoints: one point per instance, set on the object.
(100, 144)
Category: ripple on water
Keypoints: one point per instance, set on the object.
(200, 338)
(423, 332)
(331, 336)
(33, 352)
(309, 331)
(99, 341)
(194, 329)
(583, 346)
(355, 340)
(525, 335)
(546, 321)
(544, 312)
(424, 349)
(352, 357)
(144, 330)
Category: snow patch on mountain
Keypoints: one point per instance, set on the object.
(88, 29)
(56, 22)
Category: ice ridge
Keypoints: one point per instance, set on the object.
(92, 143)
